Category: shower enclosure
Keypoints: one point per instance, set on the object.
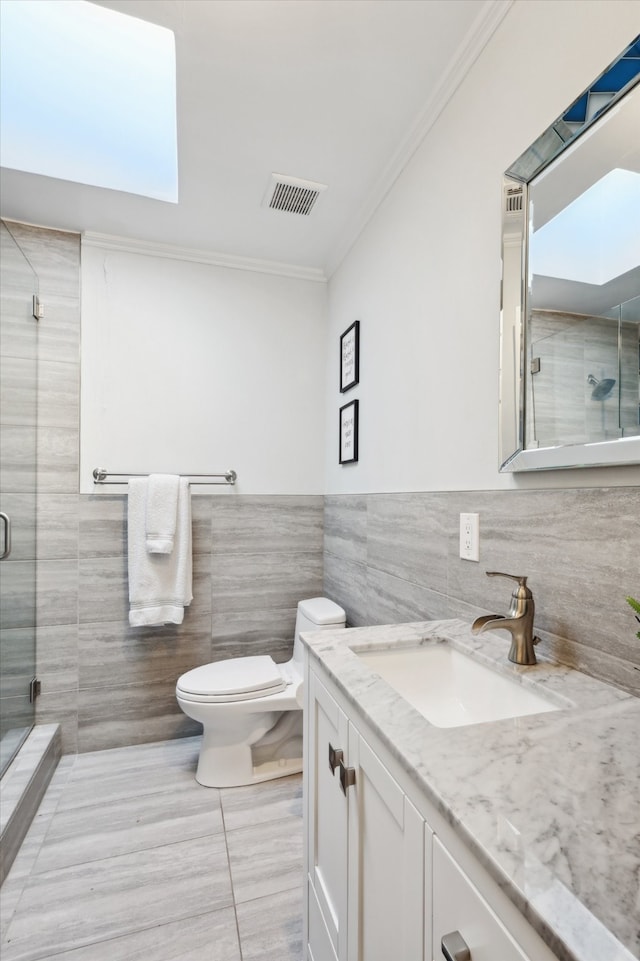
(18, 425)
(583, 384)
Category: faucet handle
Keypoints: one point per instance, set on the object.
(522, 581)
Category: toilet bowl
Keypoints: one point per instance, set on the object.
(251, 708)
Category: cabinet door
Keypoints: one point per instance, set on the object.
(386, 867)
(327, 816)
(459, 906)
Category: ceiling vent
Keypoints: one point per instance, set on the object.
(292, 195)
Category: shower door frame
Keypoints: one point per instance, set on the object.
(19, 289)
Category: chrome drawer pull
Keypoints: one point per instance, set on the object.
(335, 758)
(347, 777)
(454, 947)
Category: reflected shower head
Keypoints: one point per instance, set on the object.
(601, 388)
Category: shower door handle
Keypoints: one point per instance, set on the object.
(6, 520)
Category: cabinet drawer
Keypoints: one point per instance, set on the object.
(320, 947)
(458, 906)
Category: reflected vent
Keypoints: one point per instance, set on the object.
(513, 200)
(292, 195)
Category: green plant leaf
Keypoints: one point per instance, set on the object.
(634, 604)
(636, 607)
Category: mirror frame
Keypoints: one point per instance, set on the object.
(514, 456)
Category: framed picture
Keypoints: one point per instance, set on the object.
(350, 357)
(349, 433)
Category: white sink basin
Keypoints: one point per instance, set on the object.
(451, 689)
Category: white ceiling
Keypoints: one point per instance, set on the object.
(334, 91)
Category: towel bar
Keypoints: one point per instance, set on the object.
(100, 476)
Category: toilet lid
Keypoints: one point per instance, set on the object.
(234, 678)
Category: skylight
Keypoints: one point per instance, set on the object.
(595, 238)
(89, 95)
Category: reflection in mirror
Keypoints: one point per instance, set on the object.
(570, 331)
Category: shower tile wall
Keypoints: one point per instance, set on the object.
(394, 557)
(571, 348)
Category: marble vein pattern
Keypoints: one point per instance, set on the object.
(568, 781)
(129, 858)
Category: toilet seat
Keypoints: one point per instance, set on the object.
(235, 679)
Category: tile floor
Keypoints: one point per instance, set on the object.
(130, 859)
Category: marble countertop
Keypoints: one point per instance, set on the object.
(549, 803)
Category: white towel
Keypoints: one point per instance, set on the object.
(161, 512)
(160, 585)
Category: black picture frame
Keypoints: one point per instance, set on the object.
(350, 357)
(348, 432)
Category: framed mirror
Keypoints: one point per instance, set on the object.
(570, 305)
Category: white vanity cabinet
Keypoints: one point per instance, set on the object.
(365, 845)
(326, 814)
(459, 910)
(387, 879)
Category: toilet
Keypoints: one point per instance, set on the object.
(251, 708)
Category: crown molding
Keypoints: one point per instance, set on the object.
(194, 256)
(486, 23)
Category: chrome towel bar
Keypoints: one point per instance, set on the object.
(100, 476)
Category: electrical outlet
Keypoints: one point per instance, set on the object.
(470, 537)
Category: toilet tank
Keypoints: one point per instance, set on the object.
(315, 614)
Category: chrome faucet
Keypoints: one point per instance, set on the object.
(519, 621)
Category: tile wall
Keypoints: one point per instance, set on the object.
(571, 348)
(254, 557)
(387, 558)
(394, 557)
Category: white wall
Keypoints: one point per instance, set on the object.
(424, 276)
(190, 367)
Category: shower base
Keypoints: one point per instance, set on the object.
(22, 788)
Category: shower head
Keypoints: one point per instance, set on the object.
(601, 388)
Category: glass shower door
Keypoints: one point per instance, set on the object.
(18, 411)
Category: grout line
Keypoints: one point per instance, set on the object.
(233, 893)
(274, 894)
(68, 779)
(125, 934)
